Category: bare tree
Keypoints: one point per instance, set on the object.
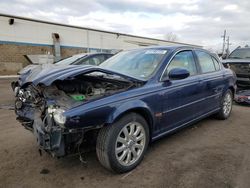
(171, 37)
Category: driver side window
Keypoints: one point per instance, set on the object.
(183, 60)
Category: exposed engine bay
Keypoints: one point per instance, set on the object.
(74, 91)
(40, 108)
(92, 87)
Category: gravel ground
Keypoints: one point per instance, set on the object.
(211, 153)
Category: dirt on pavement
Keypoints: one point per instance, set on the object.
(211, 153)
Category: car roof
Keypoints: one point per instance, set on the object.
(173, 47)
(91, 53)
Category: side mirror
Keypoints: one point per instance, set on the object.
(178, 74)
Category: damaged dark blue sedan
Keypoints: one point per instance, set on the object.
(130, 100)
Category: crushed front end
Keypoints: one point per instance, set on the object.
(41, 109)
(43, 116)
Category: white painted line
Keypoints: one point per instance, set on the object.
(9, 76)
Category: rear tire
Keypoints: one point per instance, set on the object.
(226, 105)
(121, 146)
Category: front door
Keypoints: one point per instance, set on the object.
(180, 98)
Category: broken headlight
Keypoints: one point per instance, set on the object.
(57, 115)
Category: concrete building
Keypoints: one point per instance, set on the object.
(21, 36)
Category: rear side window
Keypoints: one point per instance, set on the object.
(206, 62)
(216, 63)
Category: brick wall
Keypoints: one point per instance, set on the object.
(12, 56)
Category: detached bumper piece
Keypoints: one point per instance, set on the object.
(51, 142)
(243, 96)
(49, 136)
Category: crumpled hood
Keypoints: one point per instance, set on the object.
(236, 61)
(27, 69)
(48, 73)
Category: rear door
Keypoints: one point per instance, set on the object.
(212, 80)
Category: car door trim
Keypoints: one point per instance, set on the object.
(194, 102)
(184, 124)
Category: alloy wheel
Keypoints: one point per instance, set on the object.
(227, 104)
(130, 143)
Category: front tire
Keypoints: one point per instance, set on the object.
(226, 105)
(122, 145)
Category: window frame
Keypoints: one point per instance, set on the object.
(173, 56)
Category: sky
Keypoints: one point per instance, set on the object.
(199, 22)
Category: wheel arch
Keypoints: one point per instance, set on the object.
(141, 109)
(232, 90)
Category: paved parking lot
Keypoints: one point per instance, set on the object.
(211, 153)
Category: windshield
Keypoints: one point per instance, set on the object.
(240, 54)
(139, 64)
(69, 60)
